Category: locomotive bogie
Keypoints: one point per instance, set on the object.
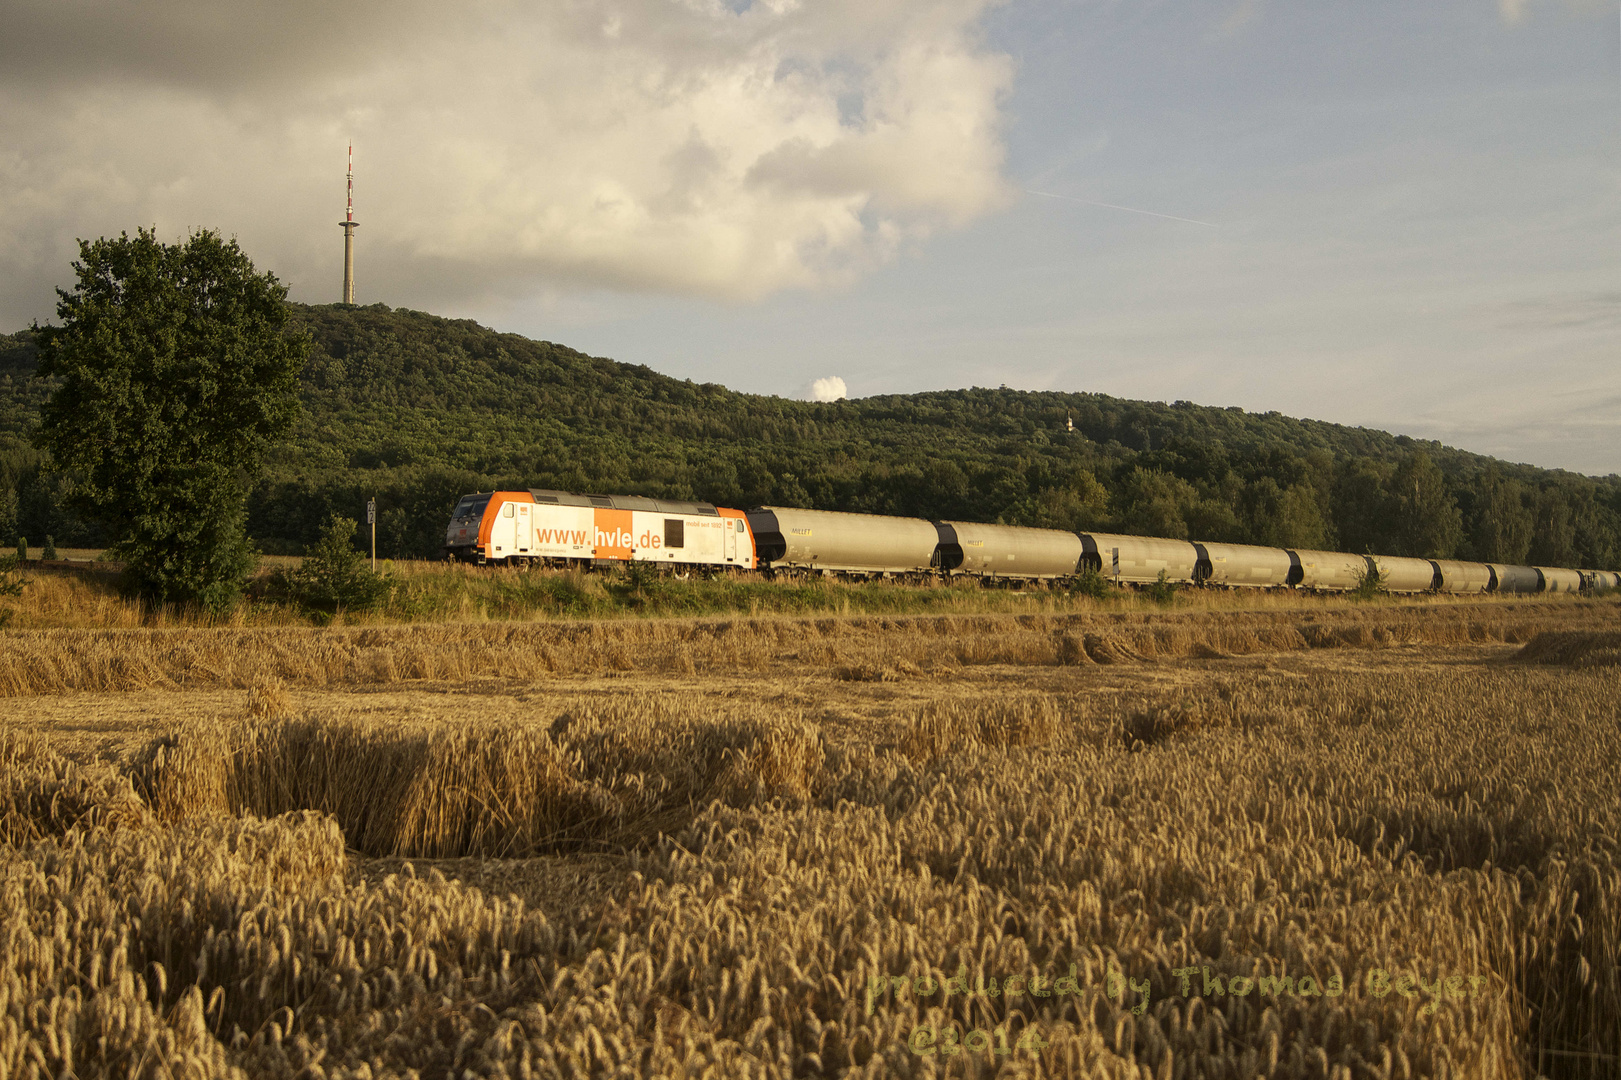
(1012, 551)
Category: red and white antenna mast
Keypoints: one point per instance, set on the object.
(349, 226)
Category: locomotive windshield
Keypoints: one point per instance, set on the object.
(470, 508)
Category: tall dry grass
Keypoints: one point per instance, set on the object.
(860, 647)
(601, 774)
(1458, 822)
(87, 597)
(43, 793)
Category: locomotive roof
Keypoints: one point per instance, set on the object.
(623, 502)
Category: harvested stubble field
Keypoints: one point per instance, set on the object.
(767, 847)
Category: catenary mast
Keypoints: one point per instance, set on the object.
(349, 226)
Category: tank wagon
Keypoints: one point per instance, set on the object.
(1515, 579)
(1463, 578)
(1007, 550)
(828, 540)
(1557, 579)
(1328, 571)
(1138, 560)
(558, 528)
(1402, 575)
(1242, 565)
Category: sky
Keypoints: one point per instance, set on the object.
(1395, 215)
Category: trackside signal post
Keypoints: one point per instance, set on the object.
(371, 519)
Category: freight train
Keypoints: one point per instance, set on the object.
(556, 528)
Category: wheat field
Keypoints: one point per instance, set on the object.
(1291, 841)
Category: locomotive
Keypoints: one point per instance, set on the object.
(557, 528)
(542, 527)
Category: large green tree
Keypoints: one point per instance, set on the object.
(1426, 519)
(175, 371)
(1502, 524)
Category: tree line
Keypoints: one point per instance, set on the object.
(417, 410)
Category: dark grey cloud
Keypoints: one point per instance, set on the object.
(500, 145)
(226, 47)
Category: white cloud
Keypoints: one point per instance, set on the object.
(831, 388)
(1513, 12)
(663, 145)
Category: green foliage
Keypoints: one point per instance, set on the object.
(11, 580)
(334, 575)
(22, 548)
(450, 591)
(1157, 503)
(1425, 519)
(172, 372)
(1501, 521)
(1162, 592)
(1369, 582)
(419, 410)
(8, 513)
(1090, 583)
(1285, 517)
(639, 585)
(50, 547)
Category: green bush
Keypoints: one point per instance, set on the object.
(1369, 583)
(1162, 592)
(1090, 583)
(11, 581)
(22, 549)
(334, 576)
(50, 547)
(641, 587)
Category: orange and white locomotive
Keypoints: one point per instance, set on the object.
(558, 528)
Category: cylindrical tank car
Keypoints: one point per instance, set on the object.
(827, 540)
(1235, 565)
(1007, 550)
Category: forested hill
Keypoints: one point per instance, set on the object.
(417, 410)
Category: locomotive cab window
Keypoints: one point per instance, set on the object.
(506, 510)
(739, 523)
(675, 531)
(470, 507)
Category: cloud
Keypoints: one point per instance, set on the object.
(1595, 310)
(1241, 16)
(675, 146)
(831, 388)
(1513, 12)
